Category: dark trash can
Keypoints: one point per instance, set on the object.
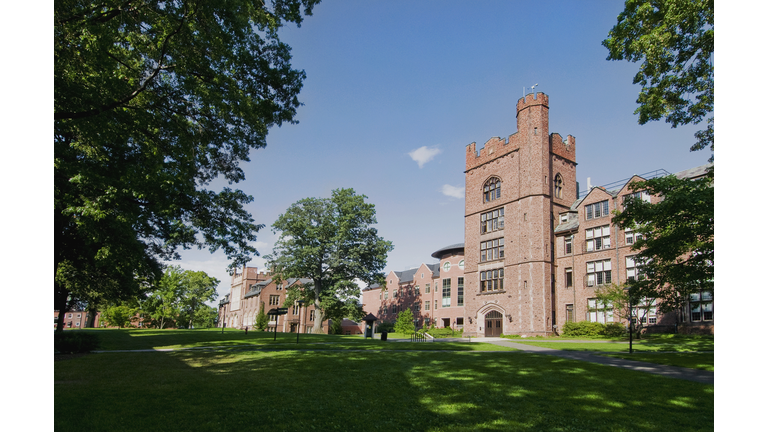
(384, 335)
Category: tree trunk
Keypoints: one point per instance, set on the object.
(317, 328)
(61, 305)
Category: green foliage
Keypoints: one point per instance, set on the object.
(677, 249)
(153, 101)
(404, 323)
(583, 328)
(119, 315)
(75, 342)
(332, 242)
(180, 296)
(262, 320)
(385, 327)
(615, 330)
(445, 332)
(675, 41)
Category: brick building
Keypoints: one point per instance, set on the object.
(535, 250)
(76, 319)
(433, 292)
(249, 289)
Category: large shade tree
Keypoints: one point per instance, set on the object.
(674, 41)
(152, 101)
(332, 242)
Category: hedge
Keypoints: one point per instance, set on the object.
(75, 342)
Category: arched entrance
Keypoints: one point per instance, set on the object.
(493, 324)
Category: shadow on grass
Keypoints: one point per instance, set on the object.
(369, 390)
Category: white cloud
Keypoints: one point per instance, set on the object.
(424, 154)
(453, 191)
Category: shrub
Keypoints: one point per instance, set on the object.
(583, 328)
(444, 332)
(615, 330)
(75, 342)
(404, 322)
(385, 327)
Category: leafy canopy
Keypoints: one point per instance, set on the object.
(675, 42)
(332, 242)
(152, 101)
(676, 250)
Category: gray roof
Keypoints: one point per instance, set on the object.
(693, 173)
(406, 275)
(256, 288)
(454, 247)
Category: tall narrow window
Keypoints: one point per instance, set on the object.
(446, 293)
(492, 189)
(558, 186)
(460, 292)
(568, 245)
(569, 278)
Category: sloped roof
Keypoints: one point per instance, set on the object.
(696, 172)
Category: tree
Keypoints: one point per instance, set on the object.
(164, 302)
(262, 320)
(675, 41)
(626, 304)
(198, 288)
(404, 323)
(119, 315)
(676, 248)
(330, 241)
(204, 317)
(152, 101)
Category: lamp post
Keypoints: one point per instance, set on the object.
(298, 327)
(629, 301)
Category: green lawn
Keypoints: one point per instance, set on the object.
(114, 339)
(371, 389)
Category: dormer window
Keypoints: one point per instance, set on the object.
(492, 189)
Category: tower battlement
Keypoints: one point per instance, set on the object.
(532, 99)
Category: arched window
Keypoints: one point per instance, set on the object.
(558, 186)
(492, 189)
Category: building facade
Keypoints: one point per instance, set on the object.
(250, 289)
(534, 251)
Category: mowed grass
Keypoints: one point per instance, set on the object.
(124, 339)
(371, 389)
(696, 352)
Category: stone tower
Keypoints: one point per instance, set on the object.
(514, 190)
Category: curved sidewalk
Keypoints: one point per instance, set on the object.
(701, 376)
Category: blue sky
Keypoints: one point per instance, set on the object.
(390, 79)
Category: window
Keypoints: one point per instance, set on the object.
(426, 305)
(492, 249)
(447, 266)
(492, 280)
(77, 323)
(446, 293)
(296, 309)
(558, 186)
(634, 270)
(279, 287)
(312, 315)
(435, 304)
(426, 288)
(460, 292)
(274, 300)
(492, 189)
(416, 289)
(380, 295)
(569, 278)
(461, 265)
(417, 307)
(599, 312)
(642, 195)
(701, 305)
(630, 237)
(645, 309)
(597, 210)
(568, 245)
(598, 238)
(569, 313)
(386, 294)
(394, 293)
(599, 272)
(492, 221)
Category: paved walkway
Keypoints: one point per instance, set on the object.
(701, 376)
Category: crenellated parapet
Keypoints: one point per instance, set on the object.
(565, 148)
(532, 99)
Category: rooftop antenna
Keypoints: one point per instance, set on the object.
(534, 86)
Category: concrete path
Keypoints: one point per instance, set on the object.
(701, 376)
